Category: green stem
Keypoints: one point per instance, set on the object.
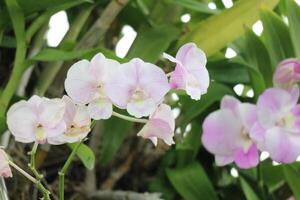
(39, 185)
(18, 23)
(37, 24)
(32, 161)
(131, 119)
(64, 170)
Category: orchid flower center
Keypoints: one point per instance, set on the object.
(287, 121)
(75, 130)
(138, 96)
(100, 90)
(246, 140)
(40, 133)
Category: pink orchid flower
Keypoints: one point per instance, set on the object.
(5, 170)
(85, 84)
(36, 119)
(226, 133)
(190, 72)
(277, 130)
(78, 123)
(287, 73)
(138, 86)
(161, 125)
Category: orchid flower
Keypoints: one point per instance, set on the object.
(161, 125)
(226, 133)
(37, 119)
(138, 87)
(190, 72)
(85, 84)
(277, 129)
(78, 123)
(287, 73)
(5, 170)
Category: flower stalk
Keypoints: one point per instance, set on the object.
(131, 119)
(39, 185)
(64, 170)
(32, 165)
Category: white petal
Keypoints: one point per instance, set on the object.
(100, 109)
(21, 121)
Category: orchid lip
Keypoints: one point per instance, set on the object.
(246, 138)
(138, 96)
(40, 133)
(100, 91)
(287, 121)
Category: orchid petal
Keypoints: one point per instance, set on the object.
(247, 159)
(220, 133)
(281, 148)
(100, 108)
(21, 121)
(81, 84)
(223, 160)
(5, 170)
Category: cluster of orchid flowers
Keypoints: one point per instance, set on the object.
(94, 87)
(238, 131)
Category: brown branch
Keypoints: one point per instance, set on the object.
(56, 73)
(94, 143)
(116, 175)
(99, 28)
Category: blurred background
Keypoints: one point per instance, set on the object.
(244, 41)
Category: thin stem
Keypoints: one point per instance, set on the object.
(18, 23)
(64, 170)
(38, 184)
(28, 176)
(32, 161)
(131, 119)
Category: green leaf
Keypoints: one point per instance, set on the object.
(192, 183)
(8, 42)
(257, 56)
(43, 18)
(272, 176)
(163, 186)
(160, 183)
(248, 191)
(293, 14)
(257, 81)
(256, 77)
(191, 109)
(217, 31)
(277, 37)
(30, 6)
(223, 71)
(292, 176)
(114, 132)
(187, 147)
(152, 42)
(196, 6)
(51, 54)
(191, 140)
(85, 154)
